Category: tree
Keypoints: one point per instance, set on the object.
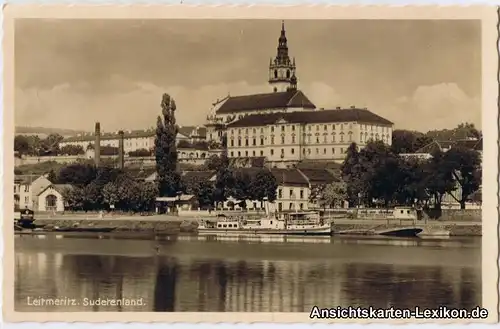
(110, 195)
(105, 175)
(77, 174)
(93, 197)
(411, 182)
(50, 145)
(223, 184)
(21, 145)
(205, 194)
(166, 150)
(52, 176)
(203, 190)
(333, 194)
(264, 186)
(438, 178)
(214, 162)
(462, 131)
(148, 194)
(75, 198)
(351, 172)
(465, 167)
(403, 141)
(241, 188)
(212, 144)
(140, 153)
(72, 150)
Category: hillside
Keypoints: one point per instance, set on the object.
(46, 131)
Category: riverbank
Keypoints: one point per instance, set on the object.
(158, 225)
(454, 228)
(167, 224)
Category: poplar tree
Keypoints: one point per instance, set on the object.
(168, 177)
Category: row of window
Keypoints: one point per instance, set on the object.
(292, 152)
(363, 137)
(290, 206)
(18, 188)
(291, 194)
(317, 128)
(293, 140)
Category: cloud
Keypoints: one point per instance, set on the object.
(322, 95)
(126, 104)
(438, 106)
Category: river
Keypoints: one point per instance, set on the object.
(197, 274)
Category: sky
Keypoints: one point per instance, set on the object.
(420, 74)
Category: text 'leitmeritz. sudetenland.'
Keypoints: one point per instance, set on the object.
(65, 301)
(392, 313)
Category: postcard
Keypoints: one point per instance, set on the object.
(286, 164)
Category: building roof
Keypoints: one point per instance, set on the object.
(184, 132)
(319, 176)
(289, 177)
(198, 174)
(26, 179)
(286, 99)
(192, 131)
(318, 164)
(108, 136)
(250, 171)
(431, 147)
(60, 188)
(473, 144)
(319, 116)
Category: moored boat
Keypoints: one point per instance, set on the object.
(297, 223)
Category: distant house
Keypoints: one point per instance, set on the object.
(52, 197)
(26, 190)
(444, 146)
(134, 139)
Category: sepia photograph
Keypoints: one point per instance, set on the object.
(320, 162)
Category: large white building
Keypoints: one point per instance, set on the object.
(285, 126)
(297, 136)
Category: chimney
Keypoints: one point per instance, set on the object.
(97, 144)
(121, 153)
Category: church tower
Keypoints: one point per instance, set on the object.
(282, 69)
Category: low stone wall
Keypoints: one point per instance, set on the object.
(124, 225)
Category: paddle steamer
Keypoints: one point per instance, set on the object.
(296, 223)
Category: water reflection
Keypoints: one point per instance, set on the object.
(207, 276)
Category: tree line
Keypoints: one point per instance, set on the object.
(33, 145)
(103, 188)
(407, 141)
(377, 175)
